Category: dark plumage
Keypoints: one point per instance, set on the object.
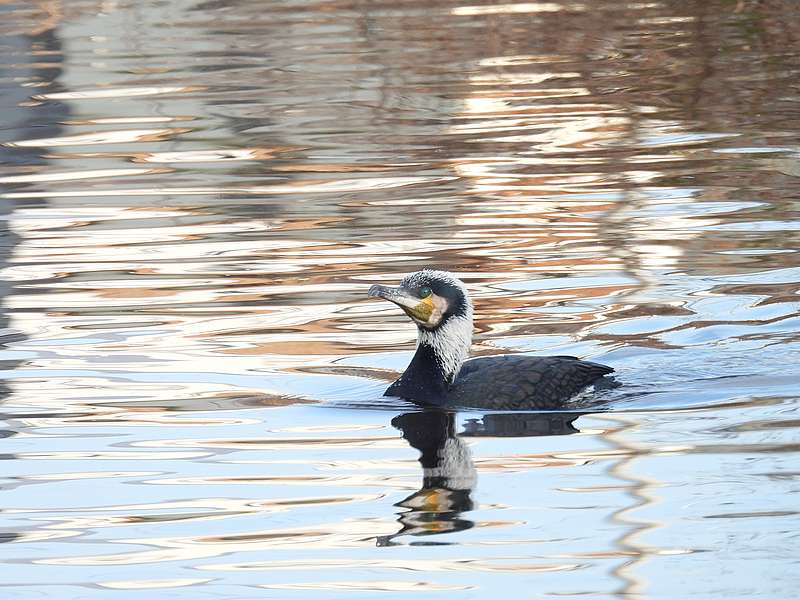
(439, 374)
(515, 381)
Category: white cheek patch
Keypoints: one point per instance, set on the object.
(440, 306)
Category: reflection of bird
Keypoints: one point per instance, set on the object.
(448, 471)
(448, 476)
(438, 374)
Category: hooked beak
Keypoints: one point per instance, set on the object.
(419, 310)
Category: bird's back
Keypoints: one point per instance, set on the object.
(522, 382)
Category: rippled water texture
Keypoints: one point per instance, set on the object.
(196, 196)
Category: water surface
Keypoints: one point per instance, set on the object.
(197, 196)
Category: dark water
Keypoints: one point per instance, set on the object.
(196, 197)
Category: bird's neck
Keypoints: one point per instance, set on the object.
(449, 345)
(425, 379)
(439, 356)
(436, 363)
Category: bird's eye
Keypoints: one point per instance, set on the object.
(424, 292)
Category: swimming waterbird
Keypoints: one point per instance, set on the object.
(441, 375)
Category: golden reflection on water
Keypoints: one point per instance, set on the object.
(131, 92)
(101, 137)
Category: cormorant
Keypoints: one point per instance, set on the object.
(439, 373)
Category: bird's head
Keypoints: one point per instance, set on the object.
(430, 298)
